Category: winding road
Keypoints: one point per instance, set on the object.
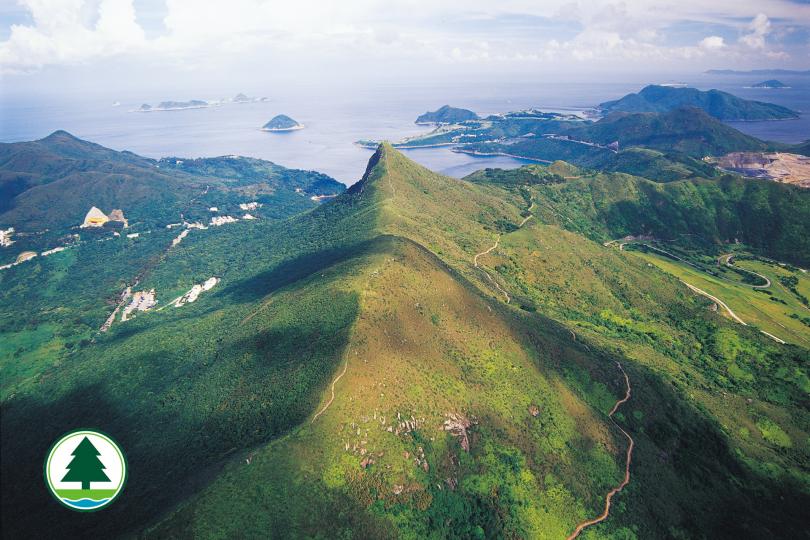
(717, 301)
(727, 260)
(617, 489)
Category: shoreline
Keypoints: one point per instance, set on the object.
(495, 154)
(398, 146)
(278, 130)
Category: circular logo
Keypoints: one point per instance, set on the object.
(85, 470)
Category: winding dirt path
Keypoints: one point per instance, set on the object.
(475, 259)
(331, 399)
(491, 280)
(527, 218)
(626, 480)
(494, 246)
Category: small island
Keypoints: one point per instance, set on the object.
(447, 115)
(174, 105)
(771, 83)
(242, 98)
(282, 122)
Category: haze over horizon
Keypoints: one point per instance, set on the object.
(177, 46)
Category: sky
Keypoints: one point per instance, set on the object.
(137, 44)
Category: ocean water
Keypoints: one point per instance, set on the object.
(334, 120)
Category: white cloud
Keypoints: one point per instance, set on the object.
(203, 32)
(61, 35)
(712, 43)
(760, 27)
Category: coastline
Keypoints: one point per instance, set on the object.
(277, 130)
(494, 154)
(398, 146)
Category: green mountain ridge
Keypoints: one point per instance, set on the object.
(266, 405)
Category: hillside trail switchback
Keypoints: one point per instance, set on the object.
(494, 246)
(585, 524)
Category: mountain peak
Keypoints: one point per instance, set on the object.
(60, 135)
(373, 169)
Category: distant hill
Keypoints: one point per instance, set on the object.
(680, 138)
(687, 130)
(721, 105)
(79, 174)
(770, 83)
(446, 115)
(281, 122)
(654, 164)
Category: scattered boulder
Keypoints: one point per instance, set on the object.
(458, 424)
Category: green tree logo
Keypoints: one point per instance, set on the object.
(85, 470)
(85, 467)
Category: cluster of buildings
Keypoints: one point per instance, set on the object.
(5, 237)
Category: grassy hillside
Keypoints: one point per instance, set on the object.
(770, 217)
(774, 309)
(654, 165)
(309, 391)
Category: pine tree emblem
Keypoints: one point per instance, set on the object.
(85, 470)
(85, 466)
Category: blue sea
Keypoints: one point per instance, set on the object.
(334, 120)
